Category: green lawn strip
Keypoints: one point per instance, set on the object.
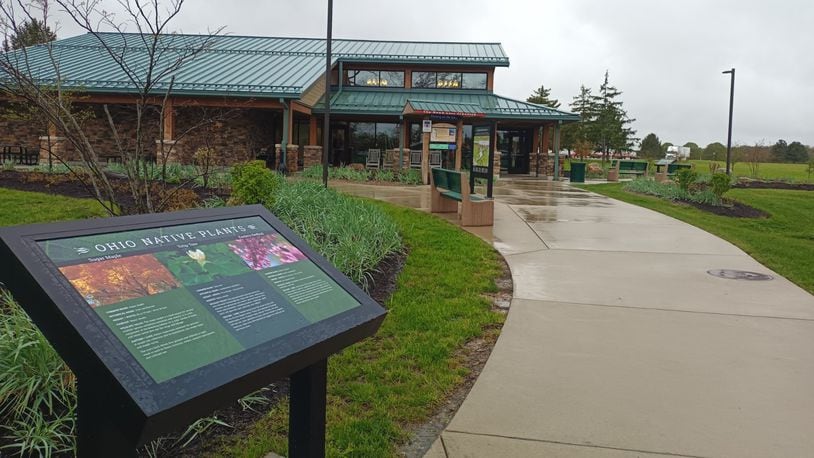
(379, 387)
(766, 170)
(782, 242)
(23, 207)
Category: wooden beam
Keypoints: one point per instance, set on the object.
(312, 131)
(490, 79)
(296, 106)
(223, 102)
(459, 141)
(425, 157)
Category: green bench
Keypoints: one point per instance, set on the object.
(672, 169)
(448, 187)
(624, 167)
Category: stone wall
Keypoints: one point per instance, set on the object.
(235, 135)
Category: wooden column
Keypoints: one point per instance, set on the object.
(169, 120)
(459, 141)
(535, 150)
(425, 157)
(312, 131)
(545, 141)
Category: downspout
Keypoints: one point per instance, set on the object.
(281, 167)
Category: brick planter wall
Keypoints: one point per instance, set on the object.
(312, 155)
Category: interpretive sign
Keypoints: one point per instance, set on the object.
(426, 126)
(483, 154)
(443, 133)
(170, 316)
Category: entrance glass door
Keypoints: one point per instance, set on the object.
(515, 148)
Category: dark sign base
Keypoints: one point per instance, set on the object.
(97, 436)
(306, 417)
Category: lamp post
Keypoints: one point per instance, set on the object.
(326, 126)
(729, 135)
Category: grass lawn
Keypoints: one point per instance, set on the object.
(766, 170)
(784, 242)
(379, 387)
(22, 207)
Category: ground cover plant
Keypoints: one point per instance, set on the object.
(781, 242)
(686, 188)
(377, 389)
(409, 176)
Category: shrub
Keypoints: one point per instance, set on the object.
(254, 183)
(664, 190)
(686, 178)
(410, 176)
(720, 184)
(385, 175)
(705, 197)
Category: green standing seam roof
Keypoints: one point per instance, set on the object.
(240, 66)
(392, 103)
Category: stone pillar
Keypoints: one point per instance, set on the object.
(312, 155)
(292, 158)
(56, 146)
(167, 150)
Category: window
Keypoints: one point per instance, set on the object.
(449, 80)
(424, 79)
(474, 81)
(375, 78)
(366, 135)
(391, 79)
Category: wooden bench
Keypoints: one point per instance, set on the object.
(664, 171)
(448, 187)
(619, 167)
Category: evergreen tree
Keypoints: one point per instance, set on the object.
(611, 129)
(578, 132)
(797, 153)
(650, 147)
(542, 96)
(30, 33)
(779, 151)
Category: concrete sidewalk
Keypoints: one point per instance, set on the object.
(619, 343)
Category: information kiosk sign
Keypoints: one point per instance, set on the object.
(166, 317)
(483, 147)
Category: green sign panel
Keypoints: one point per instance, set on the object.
(182, 297)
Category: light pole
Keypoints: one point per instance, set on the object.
(729, 135)
(326, 125)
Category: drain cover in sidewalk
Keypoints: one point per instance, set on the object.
(739, 275)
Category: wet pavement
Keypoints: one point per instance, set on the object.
(619, 343)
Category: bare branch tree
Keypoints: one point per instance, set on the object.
(145, 52)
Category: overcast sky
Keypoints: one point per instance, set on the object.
(666, 57)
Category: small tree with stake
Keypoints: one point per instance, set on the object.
(149, 61)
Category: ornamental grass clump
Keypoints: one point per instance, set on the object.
(37, 390)
(354, 235)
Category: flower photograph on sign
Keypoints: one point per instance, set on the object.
(202, 264)
(116, 280)
(264, 251)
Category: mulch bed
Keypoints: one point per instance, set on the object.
(731, 208)
(66, 184)
(756, 184)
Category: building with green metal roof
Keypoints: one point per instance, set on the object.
(387, 97)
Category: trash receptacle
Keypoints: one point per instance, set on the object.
(578, 172)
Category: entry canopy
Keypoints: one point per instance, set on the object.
(424, 107)
(167, 317)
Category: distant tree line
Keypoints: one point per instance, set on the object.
(794, 152)
(604, 124)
